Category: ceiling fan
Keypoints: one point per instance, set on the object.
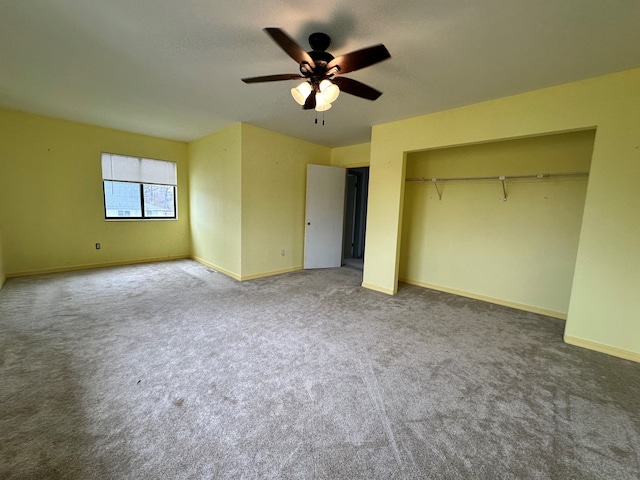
(319, 70)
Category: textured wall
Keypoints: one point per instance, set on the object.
(520, 252)
(51, 197)
(3, 276)
(274, 172)
(351, 156)
(604, 301)
(216, 200)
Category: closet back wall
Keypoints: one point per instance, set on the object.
(520, 252)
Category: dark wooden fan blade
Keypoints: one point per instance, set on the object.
(274, 78)
(350, 62)
(290, 46)
(310, 103)
(354, 87)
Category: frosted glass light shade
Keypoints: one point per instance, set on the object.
(330, 91)
(321, 104)
(301, 92)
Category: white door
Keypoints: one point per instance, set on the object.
(324, 216)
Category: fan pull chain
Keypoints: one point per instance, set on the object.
(316, 120)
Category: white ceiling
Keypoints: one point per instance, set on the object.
(172, 68)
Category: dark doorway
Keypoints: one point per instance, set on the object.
(355, 216)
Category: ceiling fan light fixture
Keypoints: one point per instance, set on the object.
(318, 67)
(301, 92)
(321, 104)
(330, 91)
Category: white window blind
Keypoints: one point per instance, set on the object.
(120, 168)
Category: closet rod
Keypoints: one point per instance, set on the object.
(499, 177)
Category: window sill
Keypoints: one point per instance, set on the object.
(140, 219)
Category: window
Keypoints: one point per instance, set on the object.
(138, 188)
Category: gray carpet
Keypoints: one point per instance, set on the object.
(170, 370)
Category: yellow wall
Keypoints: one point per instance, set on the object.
(274, 169)
(216, 200)
(248, 199)
(3, 276)
(604, 305)
(247, 206)
(352, 156)
(520, 252)
(51, 197)
(241, 198)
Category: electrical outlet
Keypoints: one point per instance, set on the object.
(97, 246)
(282, 253)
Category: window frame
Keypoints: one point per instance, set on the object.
(141, 195)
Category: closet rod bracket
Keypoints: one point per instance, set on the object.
(502, 178)
(435, 182)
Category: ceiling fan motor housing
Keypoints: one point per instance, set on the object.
(319, 41)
